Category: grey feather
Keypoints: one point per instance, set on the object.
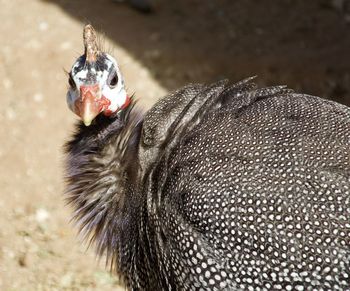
(222, 188)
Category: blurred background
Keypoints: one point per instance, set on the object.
(304, 44)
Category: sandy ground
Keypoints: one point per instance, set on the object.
(303, 45)
(39, 249)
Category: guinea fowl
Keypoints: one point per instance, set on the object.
(219, 187)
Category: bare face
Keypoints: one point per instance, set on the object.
(96, 86)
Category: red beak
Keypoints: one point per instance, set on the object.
(89, 105)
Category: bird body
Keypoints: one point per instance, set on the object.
(220, 187)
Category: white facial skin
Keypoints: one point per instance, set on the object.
(109, 88)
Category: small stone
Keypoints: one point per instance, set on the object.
(66, 280)
(7, 83)
(41, 215)
(10, 254)
(43, 26)
(38, 97)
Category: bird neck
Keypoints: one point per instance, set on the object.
(102, 167)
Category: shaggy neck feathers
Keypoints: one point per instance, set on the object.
(102, 168)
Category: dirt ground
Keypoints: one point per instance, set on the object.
(305, 44)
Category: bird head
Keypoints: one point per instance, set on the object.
(96, 85)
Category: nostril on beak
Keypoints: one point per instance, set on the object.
(94, 90)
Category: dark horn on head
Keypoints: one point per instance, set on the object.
(90, 43)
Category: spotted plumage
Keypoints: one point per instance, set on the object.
(220, 187)
(240, 188)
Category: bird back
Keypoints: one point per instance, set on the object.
(248, 188)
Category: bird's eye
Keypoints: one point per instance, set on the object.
(113, 80)
(71, 82)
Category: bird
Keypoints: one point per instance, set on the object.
(215, 187)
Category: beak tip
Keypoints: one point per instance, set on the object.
(87, 122)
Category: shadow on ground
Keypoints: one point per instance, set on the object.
(304, 44)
